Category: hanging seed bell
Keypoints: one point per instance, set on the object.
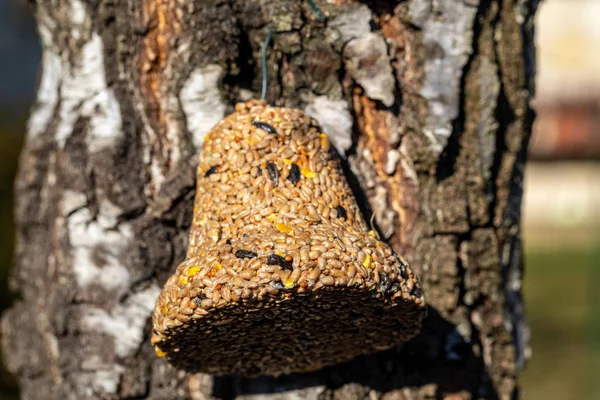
(281, 274)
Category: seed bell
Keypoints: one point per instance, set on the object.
(281, 274)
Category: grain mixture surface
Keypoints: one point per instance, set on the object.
(281, 273)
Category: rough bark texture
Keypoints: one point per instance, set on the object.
(429, 101)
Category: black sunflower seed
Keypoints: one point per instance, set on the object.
(258, 171)
(273, 172)
(265, 127)
(245, 254)
(211, 170)
(385, 284)
(403, 272)
(279, 286)
(294, 174)
(342, 212)
(275, 259)
(417, 291)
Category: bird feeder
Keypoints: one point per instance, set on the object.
(282, 273)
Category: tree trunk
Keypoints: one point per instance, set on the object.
(429, 102)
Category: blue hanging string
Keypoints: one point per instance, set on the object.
(265, 46)
(264, 64)
(315, 9)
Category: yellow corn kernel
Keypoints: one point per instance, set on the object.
(271, 217)
(373, 234)
(159, 352)
(252, 140)
(308, 173)
(183, 280)
(193, 271)
(287, 161)
(302, 160)
(289, 283)
(367, 261)
(324, 141)
(218, 266)
(284, 228)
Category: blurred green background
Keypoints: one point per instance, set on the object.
(561, 206)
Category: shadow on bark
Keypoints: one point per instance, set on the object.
(435, 356)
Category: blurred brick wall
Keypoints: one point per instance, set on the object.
(567, 130)
(568, 81)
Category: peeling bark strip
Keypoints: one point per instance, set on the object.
(429, 100)
(155, 67)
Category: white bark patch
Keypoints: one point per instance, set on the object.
(77, 14)
(47, 94)
(202, 102)
(126, 322)
(407, 169)
(106, 381)
(366, 54)
(105, 122)
(393, 156)
(77, 17)
(312, 393)
(335, 119)
(384, 214)
(96, 377)
(419, 11)
(352, 24)
(84, 87)
(370, 66)
(99, 252)
(108, 214)
(447, 38)
(71, 201)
